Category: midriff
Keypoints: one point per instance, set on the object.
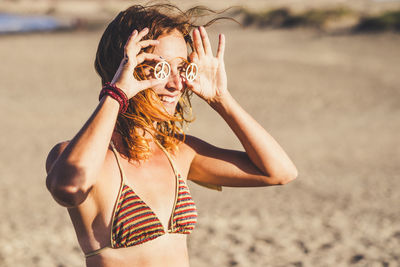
(169, 250)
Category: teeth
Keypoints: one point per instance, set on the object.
(168, 99)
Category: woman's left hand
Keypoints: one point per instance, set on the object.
(211, 81)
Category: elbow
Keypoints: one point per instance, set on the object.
(68, 194)
(288, 177)
(281, 178)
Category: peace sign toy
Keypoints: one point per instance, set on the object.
(162, 70)
(191, 72)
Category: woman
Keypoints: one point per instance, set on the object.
(123, 176)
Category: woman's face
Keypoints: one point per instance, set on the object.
(172, 48)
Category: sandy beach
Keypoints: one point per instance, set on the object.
(332, 101)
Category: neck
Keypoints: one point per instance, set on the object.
(119, 144)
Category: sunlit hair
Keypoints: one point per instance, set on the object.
(145, 113)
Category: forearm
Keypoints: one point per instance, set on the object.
(260, 146)
(80, 161)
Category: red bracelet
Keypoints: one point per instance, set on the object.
(117, 94)
(114, 95)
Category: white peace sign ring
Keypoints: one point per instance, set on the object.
(162, 70)
(191, 72)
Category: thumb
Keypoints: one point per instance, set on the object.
(190, 84)
(193, 57)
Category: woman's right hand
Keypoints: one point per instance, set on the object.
(124, 78)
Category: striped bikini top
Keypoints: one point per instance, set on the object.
(133, 221)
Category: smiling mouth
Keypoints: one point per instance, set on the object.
(168, 99)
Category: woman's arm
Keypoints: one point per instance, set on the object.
(73, 167)
(264, 162)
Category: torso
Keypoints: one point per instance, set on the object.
(169, 250)
(154, 181)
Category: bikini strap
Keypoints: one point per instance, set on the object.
(96, 252)
(207, 185)
(114, 150)
(169, 158)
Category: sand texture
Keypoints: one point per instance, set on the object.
(332, 101)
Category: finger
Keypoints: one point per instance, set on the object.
(198, 46)
(130, 39)
(141, 34)
(149, 83)
(192, 85)
(187, 82)
(147, 43)
(193, 57)
(205, 41)
(134, 39)
(147, 56)
(221, 47)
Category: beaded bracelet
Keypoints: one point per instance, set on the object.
(117, 94)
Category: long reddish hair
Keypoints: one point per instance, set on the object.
(143, 114)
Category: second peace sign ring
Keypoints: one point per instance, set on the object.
(191, 72)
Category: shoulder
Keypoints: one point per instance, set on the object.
(54, 153)
(197, 145)
(187, 150)
(191, 145)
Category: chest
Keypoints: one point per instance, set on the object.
(154, 182)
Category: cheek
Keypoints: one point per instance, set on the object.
(159, 88)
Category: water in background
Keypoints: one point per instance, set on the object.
(24, 23)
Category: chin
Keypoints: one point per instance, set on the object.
(169, 104)
(170, 109)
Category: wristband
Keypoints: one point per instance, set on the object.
(117, 94)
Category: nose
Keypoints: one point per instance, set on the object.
(175, 81)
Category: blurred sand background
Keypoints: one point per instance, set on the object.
(332, 101)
